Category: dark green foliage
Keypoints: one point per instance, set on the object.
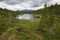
(47, 27)
(49, 22)
(6, 19)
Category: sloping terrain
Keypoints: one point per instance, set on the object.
(45, 28)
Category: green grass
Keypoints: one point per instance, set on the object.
(36, 29)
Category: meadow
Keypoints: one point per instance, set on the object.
(47, 27)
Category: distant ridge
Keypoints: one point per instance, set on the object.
(25, 11)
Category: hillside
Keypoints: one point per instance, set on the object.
(45, 28)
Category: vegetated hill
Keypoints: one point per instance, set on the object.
(6, 18)
(49, 22)
(45, 28)
(25, 11)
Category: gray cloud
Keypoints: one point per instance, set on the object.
(40, 2)
(13, 2)
(24, 3)
(37, 2)
(1, 0)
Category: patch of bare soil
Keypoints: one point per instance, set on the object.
(2, 36)
(50, 32)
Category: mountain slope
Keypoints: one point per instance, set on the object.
(45, 28)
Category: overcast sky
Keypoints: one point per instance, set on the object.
(26, 4)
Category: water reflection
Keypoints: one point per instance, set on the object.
(27, 16)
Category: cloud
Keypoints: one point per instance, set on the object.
(25, 4)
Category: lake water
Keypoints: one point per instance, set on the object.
(27, 16)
